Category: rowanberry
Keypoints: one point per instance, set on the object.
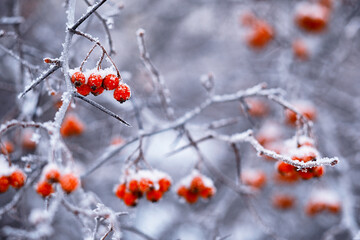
(300, 50)
(154, 195)
(17, 179)
(313, 208)
(4, 184)
(208, 192)
(111, 81)
(130, 199)
(285, 168)
(52, 175)
(254, 178)
(94, 81)
(257, 108)
(197, 185)
(318, 171)
(283, 201)
(191, 197)
(306, 175)
(98, 91)
(145, 185)
(164, 184)
(122, 92)
(71, 126)
(260, 35)
(84, 90)
(27, 142)
(7, 147)
(44, 188)
(120, 190)
(182, 190)
(312, 17)
(78, 79)
(69, 182)
(133, 186)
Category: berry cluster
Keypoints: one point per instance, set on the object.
(96, 81)
(260, 32)
(133, 185)
(254, 178)
(52, 175)
(10, 176)
(322, 201)
(71, 126)
(194, 186)
(302, 150)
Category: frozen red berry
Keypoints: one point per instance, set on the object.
(71, 126)
(197, 185)
(182, 190)
(318, 171)
(191, 197)
(133, 186)
(120, 190)
(164, 184)
(4, 184)
(153, 195)
(52, 175)
(44, 188)
(208, 192)
(78, 79)
(84, 90)
(283, 201)
(98, 91)
(17, 179)
(122, 92)
(69, 182)
(130, 199)
(110, 82)
(306, 174)
(94, 81)
(145, 185)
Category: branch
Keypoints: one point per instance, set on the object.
(100, 107)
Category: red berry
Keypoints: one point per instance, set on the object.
(120, 191)
(4, 184)
(208, 192)
(254, 178)
(197, 185)
(52, 175)
(312, 17)
(314, 208)
(44, 188)
(78, 79)
(133, 186)
(84, 90)
(145, 185)
(182, 191)
(71, 126)
(94, 81)
(164, 184)
(285, 168)
(69, 182)
(17, 179)
(122, 92)
(334, 208)
(283, 201)
(98, 91)
(306, 175)
(130, 199)
(260, 35)
(110, 82)
(7, 147)
(319, 171)
(191, 197)
(27, 142)
(153, 195)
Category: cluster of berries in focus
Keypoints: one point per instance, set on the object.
(10, 176)
(151, 183)
(194, 186)
(301, 149)
(96, 81)
(52, 175)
